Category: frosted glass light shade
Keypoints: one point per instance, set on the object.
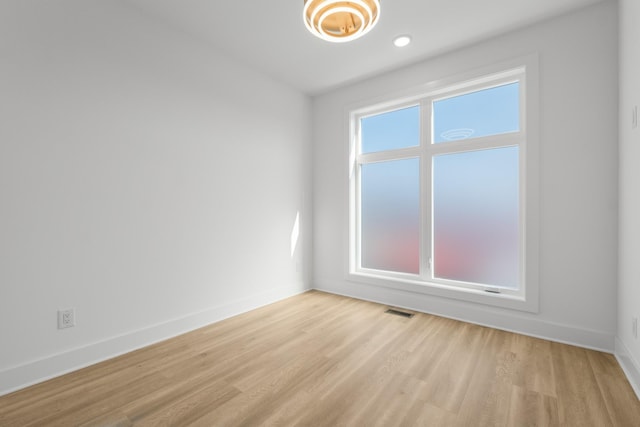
(340, 21)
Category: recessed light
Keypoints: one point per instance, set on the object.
(402, 41)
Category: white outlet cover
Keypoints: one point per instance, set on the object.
(66, 318)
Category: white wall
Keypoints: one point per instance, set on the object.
(628, 346)
(145, 180)
(578, 177)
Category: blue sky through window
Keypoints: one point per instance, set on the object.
(482, 113)
(392, 130)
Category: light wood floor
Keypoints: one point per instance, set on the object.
(323, 360)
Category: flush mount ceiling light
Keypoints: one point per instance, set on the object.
(340, 21)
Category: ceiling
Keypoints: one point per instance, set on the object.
(269, 35)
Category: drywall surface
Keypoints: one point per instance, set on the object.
(146, 180)
(578, 81)
(628, 345)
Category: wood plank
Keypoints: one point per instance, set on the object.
(534, 367)
(487, 400)
(619, 397)
(530, 408)
(580, 401)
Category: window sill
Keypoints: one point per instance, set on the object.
(528, 303)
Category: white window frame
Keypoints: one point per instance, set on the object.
(525, 71)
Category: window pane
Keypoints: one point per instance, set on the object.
(390, 216)
(482, 113)
(475, 217)
(392, 130)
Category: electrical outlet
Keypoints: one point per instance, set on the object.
(66, 318)
(634, 327)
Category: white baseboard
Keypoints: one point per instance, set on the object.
(18, 377)
(630, 366)
(475, 313)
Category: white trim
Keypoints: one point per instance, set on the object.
(525, 70)
(414, 284)
(629, 365)
(521, 323)
(479, 76)
(36, 371)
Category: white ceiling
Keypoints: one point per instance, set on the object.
(270, 35)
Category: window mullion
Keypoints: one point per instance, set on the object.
(484, 143)
(382, 156)
(425, 189)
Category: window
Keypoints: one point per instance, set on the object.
(438, 197)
